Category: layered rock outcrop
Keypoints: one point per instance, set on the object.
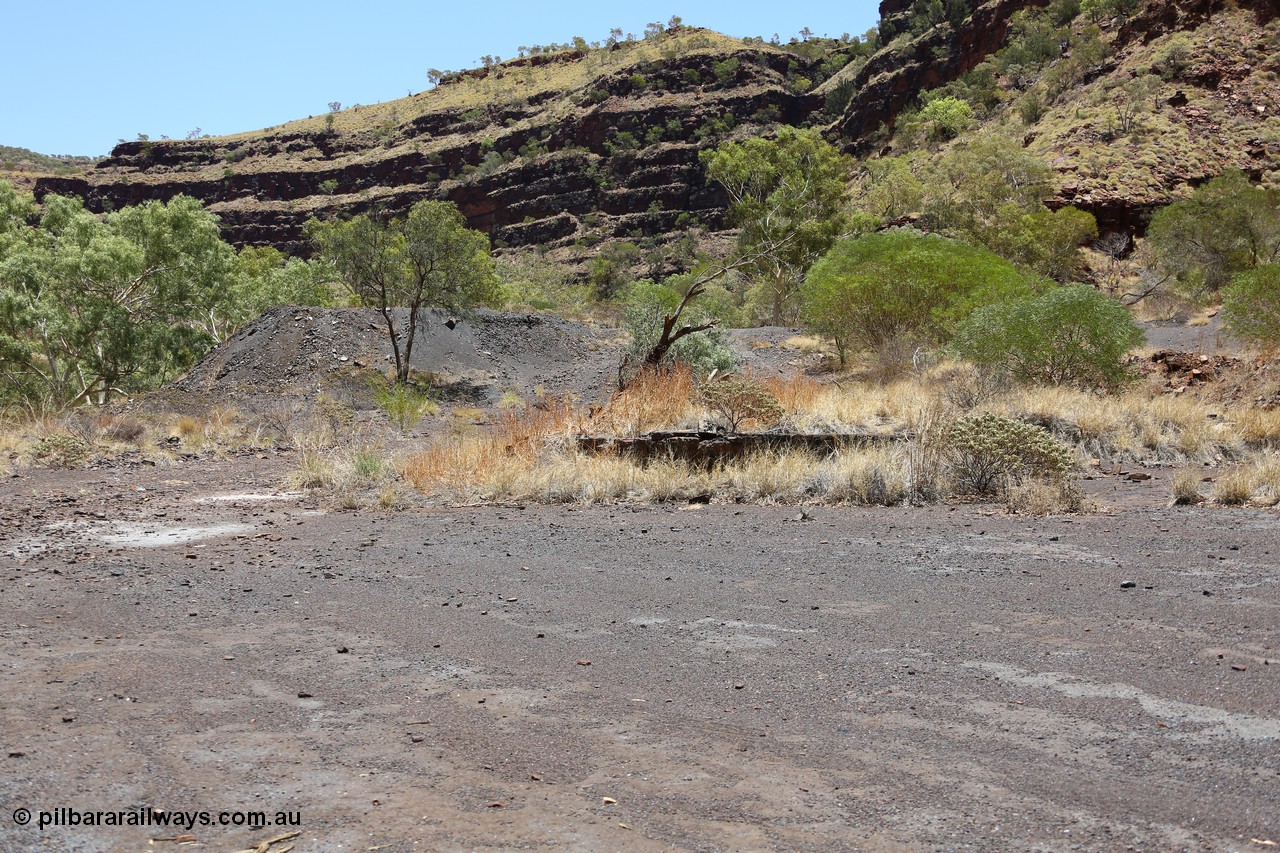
(608, 152)
(568, 150)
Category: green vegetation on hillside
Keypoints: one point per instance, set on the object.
(25, 160)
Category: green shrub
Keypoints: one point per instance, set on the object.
(736, 400)
(403, 404)
(902, 288)
(987, 453)
(947, 116)
(1069, 336)
(726, 70)
(1175, 57)
(1251, 305)
(646, 304)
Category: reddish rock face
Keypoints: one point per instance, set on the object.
(893, 80)
(615, 160)
(621, 166)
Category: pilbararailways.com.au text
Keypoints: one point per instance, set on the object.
(150, 816)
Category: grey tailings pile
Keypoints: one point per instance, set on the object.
(293, 353)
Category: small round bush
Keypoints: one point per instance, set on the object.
(736, 400)
(987, 451)
(1071, 335)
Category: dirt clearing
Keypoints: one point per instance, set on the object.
(632, 678)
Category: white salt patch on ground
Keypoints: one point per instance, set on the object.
(150, 536)
(247, 497)
(1219, 722)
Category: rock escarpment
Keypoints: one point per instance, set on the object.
(569, 150)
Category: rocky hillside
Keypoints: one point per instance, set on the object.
(1189, 89)
(569, 149)
(555, 149)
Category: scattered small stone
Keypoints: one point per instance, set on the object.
(1208, 593)
(1128, 584)
(1239, 667)
(584, 662)
(302, 695)
(342, 650)
(739, 686)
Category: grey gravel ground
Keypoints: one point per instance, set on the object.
(633, 678)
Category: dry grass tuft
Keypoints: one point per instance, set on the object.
(805, 344)
(1259, 428)
(796, 394)
(494, 460)
(1137, 424)
(1041, 496)
(665, 399)
(1186, 487)
(1234, 487)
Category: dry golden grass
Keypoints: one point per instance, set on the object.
(1161, 307)
(796, 394)
(1234, 487)
(1037, 496)
(1264, 475)
(532, 455)
(1259, 427)
(460, 463)
(805, 344)
(1255, 480)
(550, 83)
(344, 472)
(1185, 488)
(1135, 424)
(666, 400)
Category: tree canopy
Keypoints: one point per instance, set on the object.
(1225, 227)
(91, 307)
(789, 197)
(1251, 305)
(429, 259)
(903, 288)
(987, 191)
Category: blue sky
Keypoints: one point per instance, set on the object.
(79, 76)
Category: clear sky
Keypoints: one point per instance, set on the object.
(79, 76)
